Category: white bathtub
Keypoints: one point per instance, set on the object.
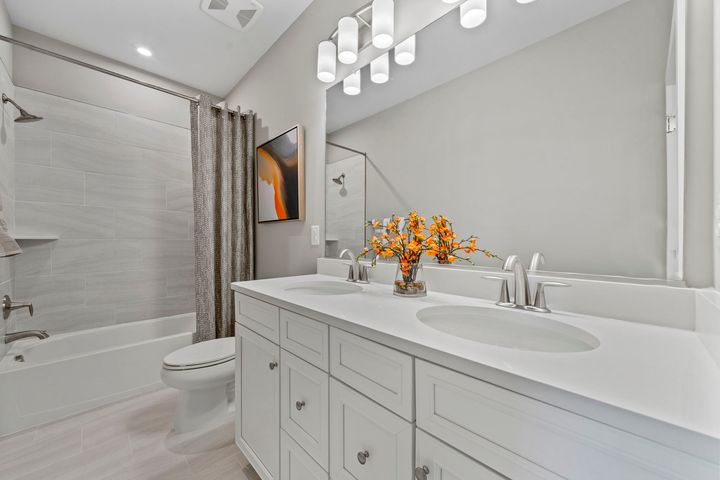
(73, 372)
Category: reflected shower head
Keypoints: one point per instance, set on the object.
(340, 180)
(25, 116)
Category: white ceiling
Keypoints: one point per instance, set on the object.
(189, 46)
(446, 51)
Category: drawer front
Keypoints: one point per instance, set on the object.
(257, 389)
(381, 373)
(445, 463)
(296, 464)
(367, 442)
(523, 438)
(306, 338)
(260, 317)
(304, 405)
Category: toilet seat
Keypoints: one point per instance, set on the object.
(201, 355)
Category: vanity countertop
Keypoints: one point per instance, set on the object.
(657, 382)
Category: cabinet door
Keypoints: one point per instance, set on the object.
(437, 461)
(257, 384)
(367, 442)
(304, 405)
(296, 464)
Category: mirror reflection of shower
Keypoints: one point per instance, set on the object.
(25, 116)
(341, 181)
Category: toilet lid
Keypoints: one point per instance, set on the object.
(210, 352)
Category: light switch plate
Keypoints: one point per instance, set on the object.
(315, 235)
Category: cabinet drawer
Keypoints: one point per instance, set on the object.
(446, 463)
(305, 337)
(523, 438)
(367, 442)
(260, 317)
(381, 373)
(296, 464)
(304, 405)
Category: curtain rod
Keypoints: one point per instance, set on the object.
(103, 70)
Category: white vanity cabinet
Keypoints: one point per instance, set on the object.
(257, 385)
(316, 402)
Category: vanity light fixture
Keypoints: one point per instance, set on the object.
(351, 84)
(473, 13)
(405, 51)
(380, 68)
(525, 2)
(383, 23)
(327, 65)
(144, 51)
(347, 40)
(450, 2)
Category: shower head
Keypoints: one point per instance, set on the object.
(25, 116)
(340, 180)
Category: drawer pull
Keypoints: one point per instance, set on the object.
(273, 365)
(421, 473)
(363, 456)
(299, 405)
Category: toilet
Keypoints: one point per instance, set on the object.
(204, 373)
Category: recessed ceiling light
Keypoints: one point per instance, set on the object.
(144, 51)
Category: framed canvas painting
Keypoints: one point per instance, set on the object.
(280, 177)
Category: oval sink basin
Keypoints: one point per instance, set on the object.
(325, 288)
(508, 328)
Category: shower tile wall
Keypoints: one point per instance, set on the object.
(117, 191)
(7, 191)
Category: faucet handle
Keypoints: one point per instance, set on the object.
(504, 291)
(540, 304)
(363, 276)
(8, 306)
(538, 259)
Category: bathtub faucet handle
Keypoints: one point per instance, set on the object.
(8, 306)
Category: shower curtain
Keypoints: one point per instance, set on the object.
(223, 162)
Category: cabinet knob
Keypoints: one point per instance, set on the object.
(273, 365)
(421, 473)
(299, 405)
(363, 456)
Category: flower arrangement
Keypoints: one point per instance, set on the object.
(408, 239)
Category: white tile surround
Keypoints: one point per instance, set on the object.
(7, 187)
(117, 191)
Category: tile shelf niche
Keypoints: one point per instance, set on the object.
(48, 237)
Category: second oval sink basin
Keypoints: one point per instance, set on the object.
(508, 328)
(325, 288)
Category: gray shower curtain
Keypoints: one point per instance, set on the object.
(223, 162)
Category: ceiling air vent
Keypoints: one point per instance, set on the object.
(236, 14)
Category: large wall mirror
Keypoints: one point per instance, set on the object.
(555, 126)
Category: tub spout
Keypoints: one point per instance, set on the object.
(12, 337)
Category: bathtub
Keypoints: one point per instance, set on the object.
(73, 372)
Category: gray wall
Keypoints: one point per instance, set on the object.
(557, 148)
(283, 90)
(116, 189)
(699, 147)
(7, 164)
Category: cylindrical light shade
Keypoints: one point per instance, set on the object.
(523, 1)
(326, 63)
(383, 23)
(405, 51)
(451, 1)
(351, 84)
(380, 69)
(347, 40)
(473, 13)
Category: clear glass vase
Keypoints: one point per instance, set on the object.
(410, 282)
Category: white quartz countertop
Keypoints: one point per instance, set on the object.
(657, 382)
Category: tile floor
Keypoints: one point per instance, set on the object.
(128, 440)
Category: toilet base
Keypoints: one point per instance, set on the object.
(202, 408)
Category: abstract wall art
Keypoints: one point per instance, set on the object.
(280, 177)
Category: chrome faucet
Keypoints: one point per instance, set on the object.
(357, 273)
(12, 337)
(521, 295)
(8, 306)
